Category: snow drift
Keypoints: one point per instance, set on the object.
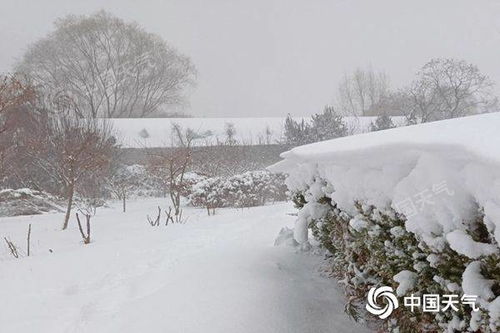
(442, 179)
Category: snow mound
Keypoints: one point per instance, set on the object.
(285, 238)
(25, 201)
(436, 174)
(477, 135)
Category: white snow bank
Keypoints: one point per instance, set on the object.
(474, 134)
(437, 174)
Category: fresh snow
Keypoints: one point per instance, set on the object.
(406, 281)
(436, 174)
(473, 134)
(213, 274)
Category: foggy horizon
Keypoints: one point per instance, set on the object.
(271, 58)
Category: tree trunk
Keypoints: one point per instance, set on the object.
(124, 203)
(71, 191)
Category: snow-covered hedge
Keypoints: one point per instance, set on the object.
(189, 179)
(134, 181)
(415, 208)
(253, 188)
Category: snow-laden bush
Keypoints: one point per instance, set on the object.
(189, 179)
(408, 209)
(26, 201)
(373, 249)
(133, 181)
(253, 188)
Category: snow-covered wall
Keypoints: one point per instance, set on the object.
(458, 157)
(442, 179)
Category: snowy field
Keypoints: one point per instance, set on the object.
(157, 132)
(212, 274)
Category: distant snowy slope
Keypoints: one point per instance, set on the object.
(478, 135)
(157, 132)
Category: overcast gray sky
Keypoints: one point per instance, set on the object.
(273, 57)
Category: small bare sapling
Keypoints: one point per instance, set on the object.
(85, 237)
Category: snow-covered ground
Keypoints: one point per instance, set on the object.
(157, 132)
(213, 274)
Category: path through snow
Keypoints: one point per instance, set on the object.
(213, 274)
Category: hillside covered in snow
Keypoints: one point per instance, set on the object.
(157, 132)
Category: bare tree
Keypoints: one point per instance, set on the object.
(85, 234)
(12, 248)
(108, 67)
(15, 96)
(268, 134)
(12, 94)
(28, 241)
(448, 88)
(171, 165)
(75, 150)
(361, 91)
(121, 183)
(230, 132)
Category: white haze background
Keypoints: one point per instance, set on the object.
(273, 57)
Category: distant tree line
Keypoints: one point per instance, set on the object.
(442, 89)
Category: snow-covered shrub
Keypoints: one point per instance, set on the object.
(373, 248)
(189, 179)
(133, 181)
(26, 201)
(208, 193)
(411, 210)
(382, 122)
(249, 189)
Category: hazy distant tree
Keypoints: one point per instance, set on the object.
(392, 104)
(107, 67)
(448, 88)
(297, 132)
(121, 183)
(360, 92)
(268, 135)
(327, 125)
(323, 126)
(230, 132)
(76, 150)
(382, 122)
